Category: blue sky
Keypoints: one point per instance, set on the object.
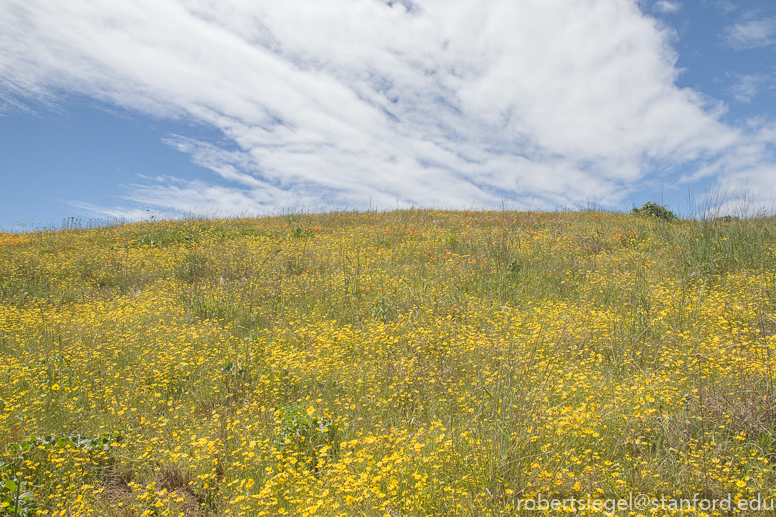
(238, 108)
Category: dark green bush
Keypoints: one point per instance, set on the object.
(655, 210)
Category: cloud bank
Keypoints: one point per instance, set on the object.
(332, 102)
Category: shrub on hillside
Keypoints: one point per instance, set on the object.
(655, 210)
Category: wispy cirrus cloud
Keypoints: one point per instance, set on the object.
(752, 33)
(335, 102)
(748, 86)
(667, 7)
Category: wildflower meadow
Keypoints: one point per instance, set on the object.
(386, 364)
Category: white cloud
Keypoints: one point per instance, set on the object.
(752, 34)
(725, 6)
(747, 86)
(667, 7)
(437, 102)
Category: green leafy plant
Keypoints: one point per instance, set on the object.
(302, 434)
(15, 499)
(515, 267)
(655, 210)
(299, 233)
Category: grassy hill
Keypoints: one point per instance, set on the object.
(406, 363)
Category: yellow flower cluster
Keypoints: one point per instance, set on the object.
(406, 363)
